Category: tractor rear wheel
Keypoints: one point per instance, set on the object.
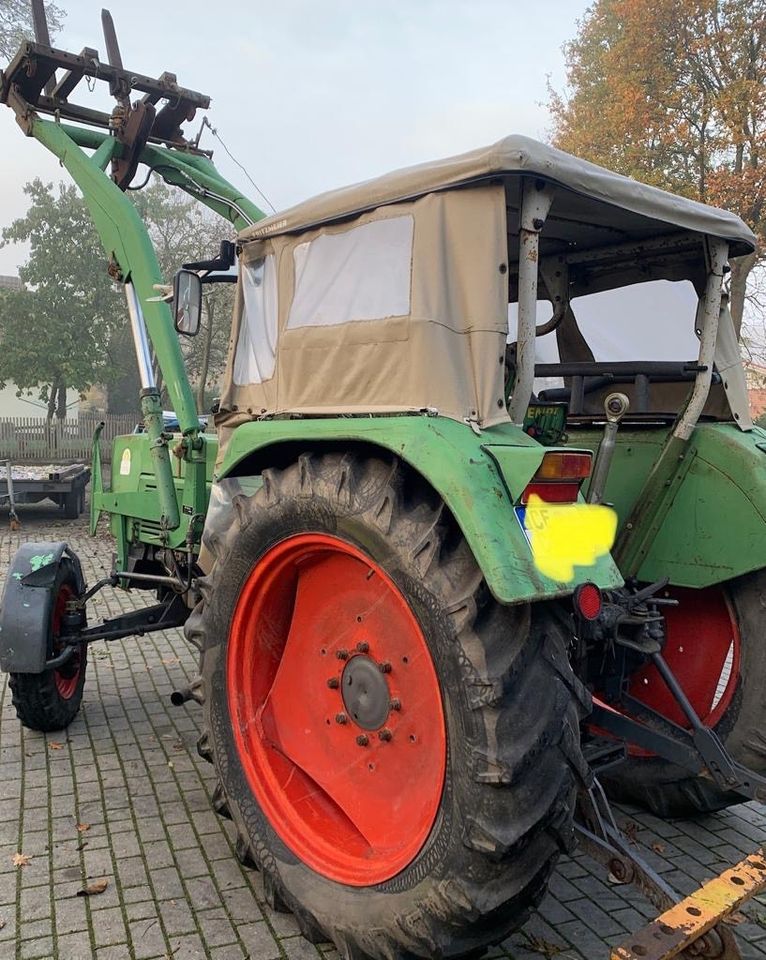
(715, 646)
(51, 700)
(397, 750)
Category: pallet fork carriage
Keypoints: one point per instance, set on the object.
(159, 527)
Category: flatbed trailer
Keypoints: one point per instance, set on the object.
(63, 484)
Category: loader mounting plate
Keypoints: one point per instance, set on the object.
(692, 918)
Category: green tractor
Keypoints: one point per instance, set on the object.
(409, 719)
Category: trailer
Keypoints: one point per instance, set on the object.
(63, 484)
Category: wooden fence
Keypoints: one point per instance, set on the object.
(36, 440)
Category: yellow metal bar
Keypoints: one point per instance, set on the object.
(693, 917)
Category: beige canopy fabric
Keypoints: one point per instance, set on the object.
(391, 295)
(440, 262)
(631, 202)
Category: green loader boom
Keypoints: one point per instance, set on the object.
(102, 153)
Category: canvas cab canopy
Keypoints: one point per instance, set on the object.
(393, 295)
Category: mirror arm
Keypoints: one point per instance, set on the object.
(221, 278)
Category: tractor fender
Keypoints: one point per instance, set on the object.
(715, 528)
(479, 476)
(27, 605)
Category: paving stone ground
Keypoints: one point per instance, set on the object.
(127, 769)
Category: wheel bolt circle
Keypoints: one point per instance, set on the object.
(363, 647)
(384, 667)
(333, 683)
(395, 704)
(341, 718)
(385, 735)
(362, 739)
(342, 654)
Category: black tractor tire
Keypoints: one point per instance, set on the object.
(50, 700)
(667, 789)
(512, 708)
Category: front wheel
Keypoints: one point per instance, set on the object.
(50, 700)
(396, 749)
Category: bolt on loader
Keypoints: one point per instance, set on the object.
(409, 717)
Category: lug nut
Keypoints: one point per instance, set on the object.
(384, 667)
(395, 704)
(341, 718)
(342, 654)
(385, 734)
(333, 683)
(362, 739)
(363, 647)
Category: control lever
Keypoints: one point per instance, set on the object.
(616, 406)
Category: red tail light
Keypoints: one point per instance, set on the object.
(588, 601)
(559, 477)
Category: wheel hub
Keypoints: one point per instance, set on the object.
(366, 696)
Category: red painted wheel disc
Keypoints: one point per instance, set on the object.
(336, 709)
(67, 677)
(702, 648)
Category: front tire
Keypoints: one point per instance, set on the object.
(50, 700)
(432, 830)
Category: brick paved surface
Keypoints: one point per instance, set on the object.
(128, 768)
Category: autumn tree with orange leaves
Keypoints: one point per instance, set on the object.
(673, 92)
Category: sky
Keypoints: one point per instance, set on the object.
(314, 94)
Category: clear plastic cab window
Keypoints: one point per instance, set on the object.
(358, 275)
(256, 353)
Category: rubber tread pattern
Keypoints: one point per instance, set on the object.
(512, 707)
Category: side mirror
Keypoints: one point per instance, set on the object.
(187, 302)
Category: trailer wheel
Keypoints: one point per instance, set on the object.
(715, 646)
(396, 749)
(50, 700)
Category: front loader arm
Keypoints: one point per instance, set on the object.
(132, 261)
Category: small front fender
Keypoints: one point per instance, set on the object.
(478, 485)
(27, 605)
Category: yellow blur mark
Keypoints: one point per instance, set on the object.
(563, 536)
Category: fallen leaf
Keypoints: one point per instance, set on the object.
(539, 945)
(170, 661)
(82, 827)
(658, 847)
(93, 889)
(55, 745)
(21, 859)
(630, 828)
(734, 919)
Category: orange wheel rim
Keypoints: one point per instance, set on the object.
(336, 709)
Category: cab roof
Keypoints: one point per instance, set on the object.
(596, 206)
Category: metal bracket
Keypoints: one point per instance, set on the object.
(695, 921)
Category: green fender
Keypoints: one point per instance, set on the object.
(479, 476)
(716, 526)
